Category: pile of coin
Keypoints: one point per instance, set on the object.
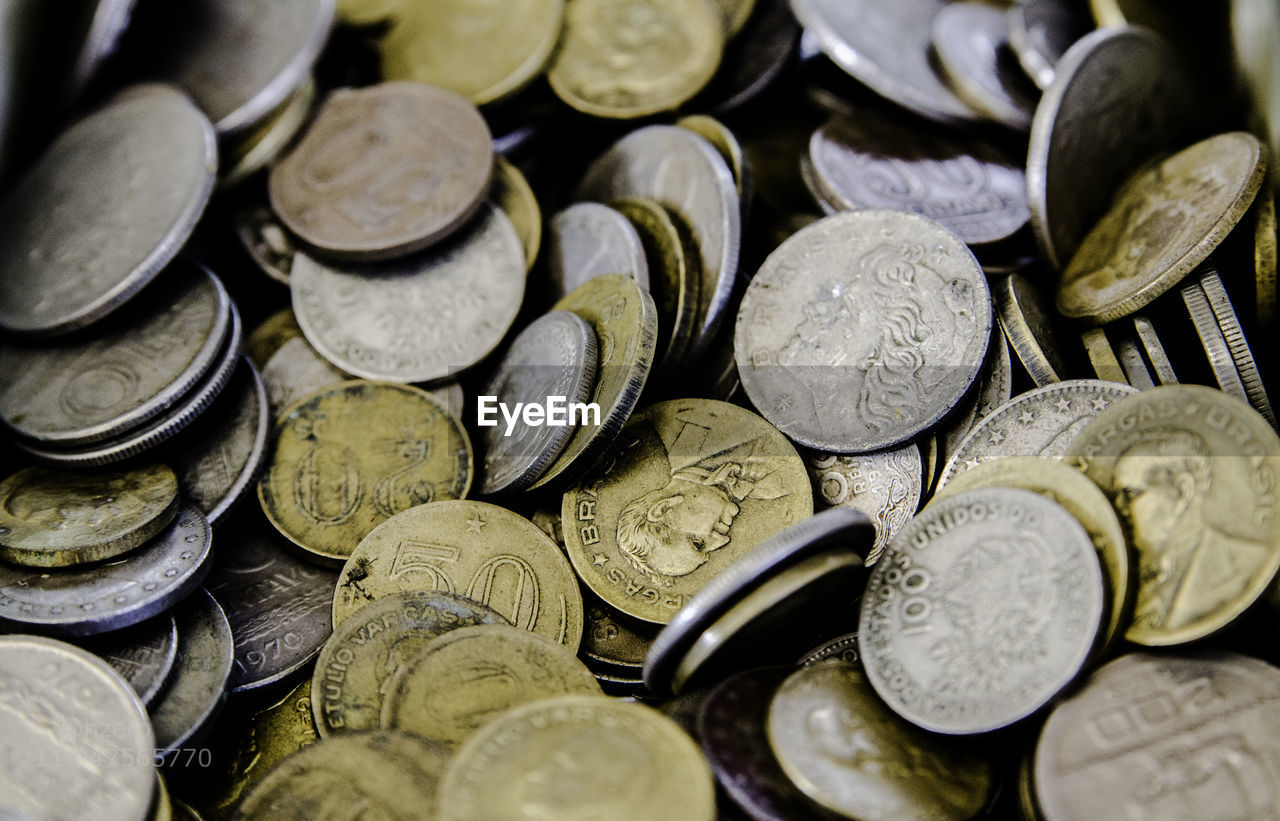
(579, 409)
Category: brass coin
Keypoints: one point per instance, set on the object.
(736, 13)
(271, 336)
(51, 518)
(1164, 223)
(1192, 473)
(1106, 365)
(511, 192)
(366, 12)
(1264, 256)
(474, 549)
(468, 677)
(1027, 319)
(351, 456)
(690, 486)
(610, 644)
(726, 145)
(637, 57)
(578, 758)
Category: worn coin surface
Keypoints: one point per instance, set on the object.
(143, 655)
(478, 550)
(847, 751)
(385, 170)
(609, 643)
(1102, 357)
(1212, 340)
(1041, 31)
(195, 693)
(690, 486)
(971, 42)
(103, 210)
(352, 456)
(982, 609)
(1265, 257)
(1027, 319)
(842, 648)
(51, 518)
(1192, 472)
(555, 356)
(510, 191)
(274, 331)
(886, 486)
(1164, 223)
(576, 758)
(294, 371)
(1233, 333)
(588, 240)
(1153, 347)
(359, 661)
(727, 146)
(863, 330)
(76, 739)
(993, 389)
(267, 243)
(369, 320)
(116, 594)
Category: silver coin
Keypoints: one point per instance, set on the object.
(981, 610)
(994, 388)
(1041, 422)
(886, 47)
(1026, 314)
(104, 28)
(863, 330)
(882, 161)
(112, 595)
(589, 240)
(103, 210)
(75, 739)
(294, 371)
(842, 648)
(143, 654)
(1119, 97)
(555, 356)
(687, 175)
(278, 605)
(369, 320)
(266, 241)
(1233, 332)
(971, 42)
(191, 702)
(98, 386)
(1041, 31)
(1155, 352)
(1212, 340)
(1159, 736)
(1132, 363)
(239, 59)
(886, 486)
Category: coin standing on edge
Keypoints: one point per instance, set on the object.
(194, 696)
(588, 240)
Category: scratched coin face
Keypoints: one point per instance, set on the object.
(143, 655)
(886, 486)
(589, 240)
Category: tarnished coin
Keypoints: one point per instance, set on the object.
(103, 210)
(468, 677)
(1119, 97)
(1164, 223)
(259, 148)
(268, 244)
(263, 341)
(384, 171)
(194, 695)
(368, 320)
(982, 609)
(110, 596)
(294, 371)
(555, 356)
(588, 240)
(359, 661)
(1041, 422)
(1041, 31)
(1154, 350)
(971, 42)
(1241, 354)
(76, 739)
(1164, 737)
(727, 146)
(993, 389)
(143, 655)
(881, 161)
(575, 758)
(510, 191)
(277, 604)
(1027, 319)
(478, 550)
(848, 752)
(755, 57)
(1102, 356)
(1212, 340)
(863, 330)
(636, 58)
(1265, 255)
(51, 518)
(1191, 471)
(841, 648)
(681, 170)
(610, 644)
(886, 486)
(352, 456)
(398, 774)
(1131, 361)
(690, 486)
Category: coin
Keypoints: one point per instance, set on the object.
(1212, 340)
(982, 609)
(886, 486)
(588, 240)
(847, 751)
(398, 773)
(384, 171)
(633, 59)
(352, 456)
(194, 696)
(111, 596)
(266, 143)
(555, 356)
(690, 486)
(1207, 749)
(269, 245)
(1154, 350)
(575, 758)
(367, 319)
(479, 550)
(1264, 256)
(729, 149)
(1102, 356)
(1233, 332)
(1041, 422)
(1040, 32)
(1191, 473)
(1135, 367)
(294, 371)
(1119, 97)
(277, 329)
(468, 677)
(993, 389)
(51, 518)
(510, 191)
(103, 24)
(1164, 223)
(79, 743)
(103, 210)
(609, 643)
(1027, 319)
(143, 655)
(971, 42)
(855, 309)
(756, 56)
(842, 648)
(360, 659)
